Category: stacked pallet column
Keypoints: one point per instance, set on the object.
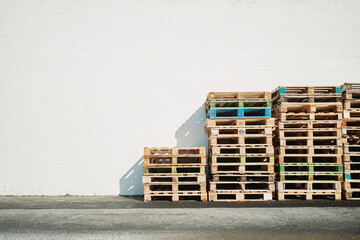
(174, 173)
(308, 142)
(241, 154)
(351, 132)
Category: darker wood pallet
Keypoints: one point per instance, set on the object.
(173, 160)
(173, 170)
(184, 187)
(238, 95)
(166, 151)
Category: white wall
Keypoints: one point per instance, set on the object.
(85, 85)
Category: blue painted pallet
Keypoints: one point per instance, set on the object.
(260, 112)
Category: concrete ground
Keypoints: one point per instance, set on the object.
(130, 218)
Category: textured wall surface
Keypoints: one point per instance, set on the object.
(85, 85)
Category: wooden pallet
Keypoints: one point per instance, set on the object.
(231, 196)
(353, 114)
(308, 186)
(308, 150)
(348, 157)
(237, 103)
(310, 168)
(166, 151)
(352, 195)
(306, 90)
(175, 197)
(309, 133)
(352, 149)
(262, 177)
(183, 187)
(307, 108)
(242, 186)
(309, 124)
(239, 123)
(351, 86)
(248, 131)
(258, 150)
(351, 95)
(314, 176)
(352, 175)
(307, 98)
(240, 159)
(242, 168)
(352, 104)
(175, 179)
(240, 140)
(238, 95)
(173, 170)
(309, 141)
(308, 116)
(351, 123)
(173, 160)
(308, 196)
(248, 112)
(310, 158)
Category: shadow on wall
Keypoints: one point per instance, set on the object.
(131, 181)
(192, 133)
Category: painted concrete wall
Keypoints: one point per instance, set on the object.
(85, 85)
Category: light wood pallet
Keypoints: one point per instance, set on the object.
(184, 187)
(306, 90)
(353, 104)
(240, 159)
(309, 124)
(310, 158)
(248, 131)
(238, 95)
(230, 177)
(236, 103)
(239, 123)
(183, 151)
(308, 150)
(258, 150)
(246, 168)
(309, 133)
(196, 178)
(303, 116)
(175, 197)
(179, 170)
(312, 176)
(231, 196)
(309, 186)
(353, 114)
(307, 108)
(242, 186)
(174, 160)
(241, 139)
(351, 190)
(308, 196)
(307, 98)
(309, 141)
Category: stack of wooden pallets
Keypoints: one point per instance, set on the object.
(174, 173)
(351, 132)
(241, 159)
(308, 142)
